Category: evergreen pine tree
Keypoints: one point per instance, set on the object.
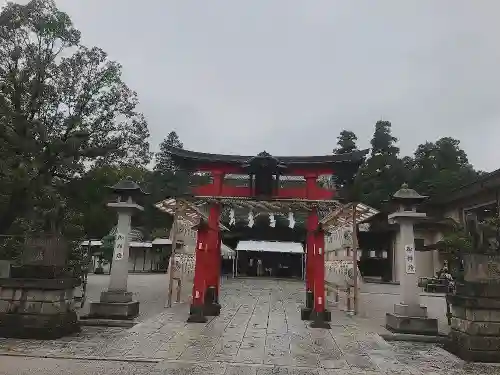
(346, 142)
(164, 162)
(383, 173)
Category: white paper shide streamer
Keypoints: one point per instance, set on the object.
(291, 220)
(272, 221)
(232, 219)
(251, 220)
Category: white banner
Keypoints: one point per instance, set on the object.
(410, 259)
(119, 246)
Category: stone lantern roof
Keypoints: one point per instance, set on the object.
(127, 187)
(406, 195)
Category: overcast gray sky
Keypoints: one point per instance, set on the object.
(286, 76)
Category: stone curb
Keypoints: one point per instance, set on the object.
(82, 358)
(152, 360)
(88, 322)
(414, 338)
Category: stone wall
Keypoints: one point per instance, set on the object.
(475, 328)
(37, 308)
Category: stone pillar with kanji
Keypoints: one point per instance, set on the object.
(116, 302)
(409, 315)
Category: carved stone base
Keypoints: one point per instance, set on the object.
(474, 348)
(211, 305)
(411, 320)
(411, 325)
(305, 313)
(321, 319)
(212, 309)
(41, 327)
(112, 296)
(114, 310)
(196, 314)
(475, 322)
(37, 308)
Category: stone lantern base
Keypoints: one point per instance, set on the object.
(114, 305)
(411, 320)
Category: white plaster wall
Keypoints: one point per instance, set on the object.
(131, 257)
(428, 262)
(139, 262)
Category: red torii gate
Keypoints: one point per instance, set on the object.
(264, 172)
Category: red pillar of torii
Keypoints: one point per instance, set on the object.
(196, 313)
(207, 268)
(205, 297)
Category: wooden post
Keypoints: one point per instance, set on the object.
(348, 300)
(303, 263)
(179, 289)
(236, 264)
(233, 259)
(354, 259)
(172, 254)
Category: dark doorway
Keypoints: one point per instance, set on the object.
(376, 267)
(226, 266)
(269, 264)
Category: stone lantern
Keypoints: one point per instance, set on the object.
(116, 302)
(408, 316)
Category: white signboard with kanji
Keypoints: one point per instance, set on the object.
(119, 246)
(410, 259)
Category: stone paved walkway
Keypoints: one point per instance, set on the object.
(259, 332)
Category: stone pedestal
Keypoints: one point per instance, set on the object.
(197, 314)
(411, 319)
(475, 322)
(114, 305)
(321, 319)
(37, 308)
(408, 316)
(475, 309)
(116, 302)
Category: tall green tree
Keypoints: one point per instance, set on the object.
(383, 173)
(164, 162)
(346, 142)
(64, 107)
(440, 167)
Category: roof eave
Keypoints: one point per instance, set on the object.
(186, 157)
